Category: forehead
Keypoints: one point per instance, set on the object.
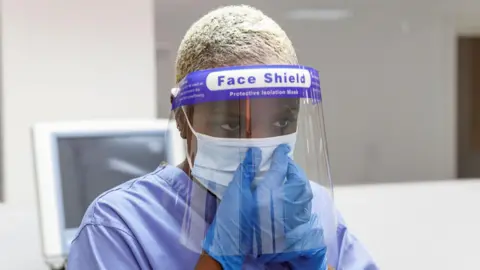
(263, 105)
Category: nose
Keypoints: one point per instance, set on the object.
(262, 131)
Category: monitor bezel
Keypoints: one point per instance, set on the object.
(55, 242)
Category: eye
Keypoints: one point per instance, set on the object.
(281, 123)
(230, 127)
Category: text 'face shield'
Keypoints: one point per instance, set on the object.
(256, 140)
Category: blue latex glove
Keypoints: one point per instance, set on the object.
(286, 229)
(305, 252)
(229, 238)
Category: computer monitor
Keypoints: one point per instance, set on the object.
(77, 161)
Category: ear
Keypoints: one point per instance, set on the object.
(181, 123)
(180, 120)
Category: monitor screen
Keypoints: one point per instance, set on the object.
(89, 166)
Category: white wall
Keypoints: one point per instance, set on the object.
(388, 83)
(418, 226)
(65, 60)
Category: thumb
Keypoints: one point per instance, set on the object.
(275, 176)
(246, 171)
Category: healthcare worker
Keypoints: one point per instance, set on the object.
(254, 191)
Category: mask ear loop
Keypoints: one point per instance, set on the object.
(189, 158)
(174, 92)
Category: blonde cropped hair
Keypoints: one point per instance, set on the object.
(233, 35)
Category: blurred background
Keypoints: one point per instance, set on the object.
(401, 91)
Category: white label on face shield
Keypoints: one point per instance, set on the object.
(258, 78)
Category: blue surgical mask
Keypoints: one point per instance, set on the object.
(217, 159)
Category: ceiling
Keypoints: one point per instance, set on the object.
(174, 17)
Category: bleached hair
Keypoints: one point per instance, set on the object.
(233, 35)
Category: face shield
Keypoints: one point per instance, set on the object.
(223, 113)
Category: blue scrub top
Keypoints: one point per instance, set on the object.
(140, 225)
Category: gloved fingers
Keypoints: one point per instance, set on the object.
(283, 232)
(312, 250)
(294, 172)
(297, 185)
(316, 259)
(277, 257)
(297, 190)
(276, 220)
(297, 194)
(303, 242)
(246, 171)
(275, 176)
(296, 214)
(308, 236)
(269, 224)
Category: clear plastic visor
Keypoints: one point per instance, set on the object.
(291, 169)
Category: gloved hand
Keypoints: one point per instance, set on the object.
(286, 229)
(230, 236)
(305, 252)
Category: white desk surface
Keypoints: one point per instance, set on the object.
(424, 225)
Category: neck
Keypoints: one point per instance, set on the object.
(185, 167)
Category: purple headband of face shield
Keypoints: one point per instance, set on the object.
(248, 82)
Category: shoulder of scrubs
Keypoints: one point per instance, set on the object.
(347, 251)
(103, 247)
(103, 241)
(126, 227)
